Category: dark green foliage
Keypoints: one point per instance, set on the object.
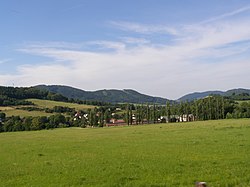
(23, 93)
(39, 123)
(107, 115)
(61, 109)
(16, 96)
(2, 115)
(15, 123)
(56, 97)
(27, 123)
(7, 101)
(32, 108)
(55, 120)
(239, 96)
(241, 110)
(2, 118)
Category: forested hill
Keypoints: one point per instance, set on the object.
(235, 94)
(17, 95)
(111, 96)
(199, 95)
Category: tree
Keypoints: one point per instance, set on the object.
(187, 110)
(27, 122)
(154, 114)
(37, 123)
(2, 116)
(196, 110)
(130, 114)
(168, 111)
(107, 116)
(222, 108)
(101, 119)
(148, 114)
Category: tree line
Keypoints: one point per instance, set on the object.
(94, 118)
(209, 108)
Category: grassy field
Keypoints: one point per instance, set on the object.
(12, 111)
(4, 108)
(25, 113)
(151, 155)
(51, 104)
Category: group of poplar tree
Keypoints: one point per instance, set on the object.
(209, 108)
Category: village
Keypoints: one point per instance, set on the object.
(114, 121)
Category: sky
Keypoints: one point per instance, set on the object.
(161, 48)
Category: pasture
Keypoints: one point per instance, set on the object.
(148, 155)
(25, 113)
(50, 104)
(13, 111)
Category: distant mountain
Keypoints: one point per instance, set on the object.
(111, 96)
(199, 95)
(236, 91)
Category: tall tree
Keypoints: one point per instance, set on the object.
(148, 114)
(168, 111)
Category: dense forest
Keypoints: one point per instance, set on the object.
(12, 96)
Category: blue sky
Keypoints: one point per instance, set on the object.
(158, 47)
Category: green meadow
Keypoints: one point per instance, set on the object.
(159, 155)
(50, 104)
(13, 111)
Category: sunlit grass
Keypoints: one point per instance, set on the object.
(51, 104)
(151, 155)
(4, 108)
(25, 113)
(13, 111)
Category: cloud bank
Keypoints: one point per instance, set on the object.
(210, 55)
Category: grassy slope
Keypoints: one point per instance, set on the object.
(24, 113)
(12, 111)
(151, 155)
(51, 104)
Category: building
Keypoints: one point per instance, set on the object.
(177, 118)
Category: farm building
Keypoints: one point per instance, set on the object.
(178, 118)
(116, 122)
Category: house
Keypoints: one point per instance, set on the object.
(116, 122)
(186, 118)
(177, 118)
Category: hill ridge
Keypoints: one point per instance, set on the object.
(199, 95)
(104, 95)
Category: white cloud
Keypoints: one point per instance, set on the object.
(132, 40)
(144, 29)
(108, 45)
(207, 56)
(226, 15)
